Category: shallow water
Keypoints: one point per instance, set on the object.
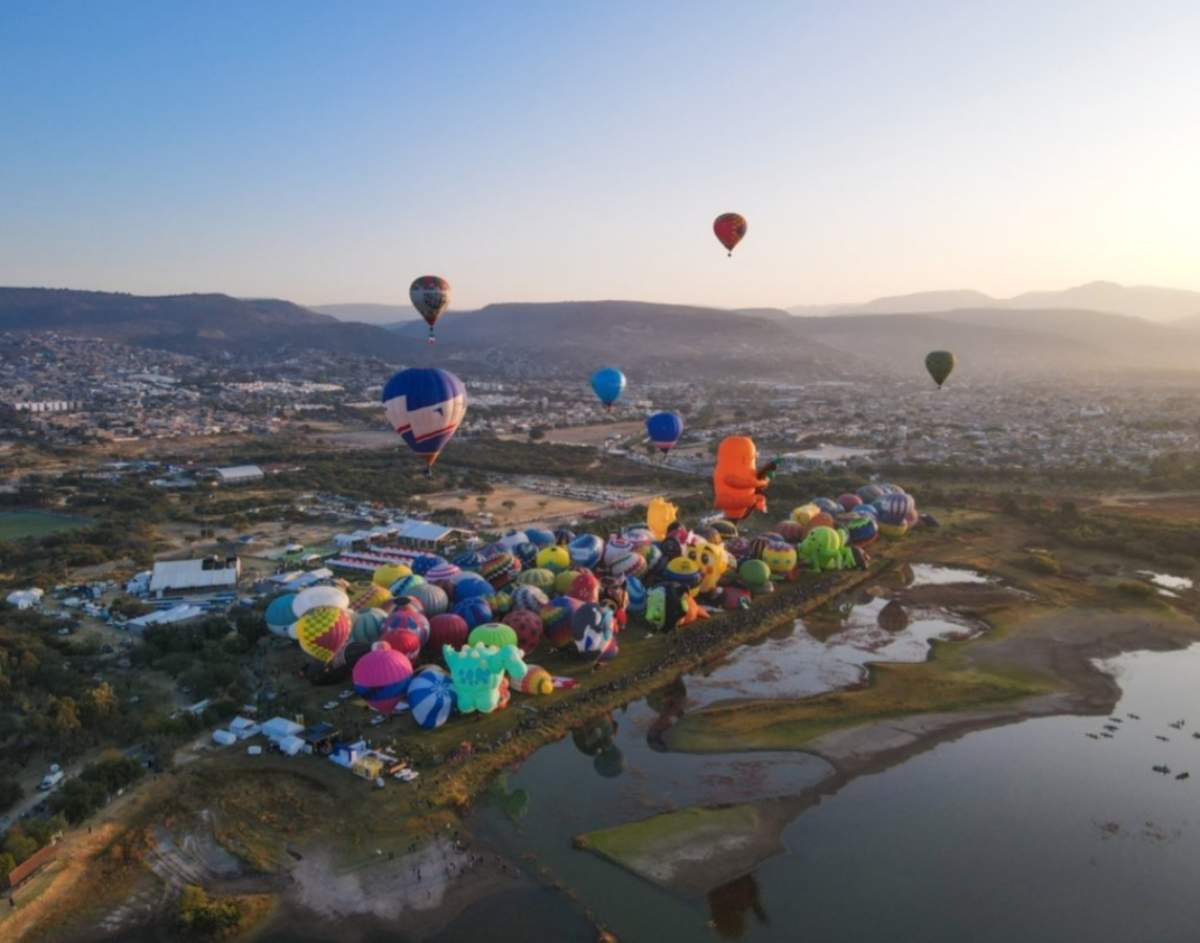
(935, 574)
(1034, 831)
(1167, 581)
(829, 650)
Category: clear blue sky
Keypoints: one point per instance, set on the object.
(330, 151)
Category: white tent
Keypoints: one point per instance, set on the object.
(244, 728)
(279, 728)
(25, 598)
(291, 745)
(223, 738)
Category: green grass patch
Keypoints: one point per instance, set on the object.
(894, 691)
(637, 843)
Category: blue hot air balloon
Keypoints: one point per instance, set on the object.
(425, 405)
(664, 430)
(608, 385)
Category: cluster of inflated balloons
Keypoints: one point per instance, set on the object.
(452, 636)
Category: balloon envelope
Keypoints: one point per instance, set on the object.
(381, 677)
(319, 596)
(425, 405)
(940, 364)
(664, 430)
(608, 384)
(729, 229)
(430, 295)
(322, 631)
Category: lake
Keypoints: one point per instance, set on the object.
(1048, 829)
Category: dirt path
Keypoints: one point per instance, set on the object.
(75, 853)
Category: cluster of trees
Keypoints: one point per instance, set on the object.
(80, 796)
(206, 657)
(49, 700)
(22, 841)
(205, 916)
(47, 559)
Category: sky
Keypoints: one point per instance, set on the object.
(526, 151)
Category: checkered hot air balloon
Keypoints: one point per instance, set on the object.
(322, 631)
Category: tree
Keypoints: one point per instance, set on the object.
(508, 504)
(64, 718)
(206, 916)
(481, 501)
(10, 793)
(101, 701)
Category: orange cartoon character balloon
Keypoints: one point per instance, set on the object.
(738, 484)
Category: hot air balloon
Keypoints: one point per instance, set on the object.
(322, 631)
(729, 229)
(940, 364)
(430, 295)
(381, 677)
(608, 384)
(664, 430)
(425, 405)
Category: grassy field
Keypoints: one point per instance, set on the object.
(17, 524)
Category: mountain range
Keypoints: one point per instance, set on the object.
(1163, 305)
(647, 340)
(191, 324)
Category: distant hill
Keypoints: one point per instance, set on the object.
(192, 324)
(1154, 304)
(369, 313)
(992, 340)
(571, 337)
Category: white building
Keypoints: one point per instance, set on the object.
(236, 474)
(207, 575)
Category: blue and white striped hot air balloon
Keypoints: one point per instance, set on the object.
(431, 697)
(425, 405)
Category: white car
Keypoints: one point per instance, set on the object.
(377, 720)
(345, 694)
(330, 705)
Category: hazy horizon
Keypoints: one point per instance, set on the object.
(329, 155)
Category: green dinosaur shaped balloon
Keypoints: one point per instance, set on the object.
(477, 671)
(826, 549)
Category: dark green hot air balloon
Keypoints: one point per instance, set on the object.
(940, 364)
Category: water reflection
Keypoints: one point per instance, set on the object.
(730, 904)
(596, 739)
(831, 649)
(514, 803)
(669, 703)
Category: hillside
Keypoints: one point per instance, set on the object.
(1163, 305)
(994, 340)
(567, 337)
(369, 313)
(195, 324)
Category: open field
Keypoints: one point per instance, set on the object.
(528, 507)
(17, 524)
